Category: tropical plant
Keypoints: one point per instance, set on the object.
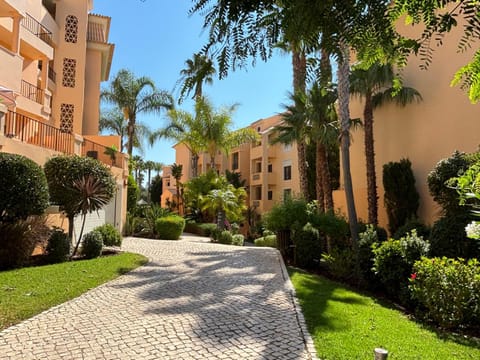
(135, 96)
(376, 85)
(133, 192)
(235, 178)
(197, 188)
(199, 70)
(23, 187)
(79, 185)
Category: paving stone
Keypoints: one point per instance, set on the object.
(193, 300)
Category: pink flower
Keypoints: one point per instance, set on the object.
(413, 276)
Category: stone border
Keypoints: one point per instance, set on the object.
(307, 338)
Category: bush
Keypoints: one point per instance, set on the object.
(266, 241)
(23, 186)
(92, 245)
(448, 291)
(393, 262)
(170, 227)
(133, 225)
(203, 229)
(448, 238)
(16, 243)
(58, 247)
(110, 235)
(366, 241)
(401, 197)
(225, 237)
(133, 193)
(340, 263)
(331, 225)
(307, 247)
(413, 224)
(287, 215)
(150, 214)
(238, 239)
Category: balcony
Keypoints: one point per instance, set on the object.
(37, 133)
(256, 152)
(37, 29)
(256, 179)
(102, 153)
(32, 92)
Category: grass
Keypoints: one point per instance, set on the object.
(28, 291)
(347, 325)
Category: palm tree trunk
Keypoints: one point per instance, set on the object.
(194, 165)
(319, 178)
(130, 134)
(343, 101)
(322, 153)
(372, 196)
(299, 64)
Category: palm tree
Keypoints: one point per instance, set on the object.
(225, 201)
(158, 167)
(177, 175)
(135, 96)
(375, 85)
(114, 122)
(137, 165)
(198, 70)
(216, 131)
(149, 166)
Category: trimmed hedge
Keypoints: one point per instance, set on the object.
(170, 227)
(58, 247)
(110, 235)
(202, 229)
(238, 240)
(92, 245)
(267, 241)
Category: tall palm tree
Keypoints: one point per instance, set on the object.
(199, 70)
(135, 96)
(158, 167)
(177, 175)
(149, 165)
(375, 85)
(114, 122)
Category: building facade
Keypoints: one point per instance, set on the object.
(53, 57)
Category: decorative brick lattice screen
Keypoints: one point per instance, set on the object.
(71, 29)
(66, 117)
(69, 70)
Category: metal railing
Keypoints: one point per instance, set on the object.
(37, 29)
(32, 92)
(103, 153)
(31, 131)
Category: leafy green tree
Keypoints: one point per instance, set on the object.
(79, 185)
(198, 187)
(135, 96)
(199, 70)
(376, 86)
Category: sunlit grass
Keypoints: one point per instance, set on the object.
(29, 291)
(347, 325)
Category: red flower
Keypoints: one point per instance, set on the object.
(413, 276)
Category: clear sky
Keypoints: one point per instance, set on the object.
(154, 38)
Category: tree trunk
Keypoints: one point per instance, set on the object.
(79, 236)
(372, 196)
(299, 64)
(71, 220)
(322, 155)
(343, 104)
(194, 165)
(319, 178)
(131, 134)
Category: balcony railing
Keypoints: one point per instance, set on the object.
(35, 132)
(37, 29)
(105, 154)
(32, 92)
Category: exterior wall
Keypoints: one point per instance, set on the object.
(91, 113)
(425, 133)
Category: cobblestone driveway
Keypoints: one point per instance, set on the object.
(193, 300)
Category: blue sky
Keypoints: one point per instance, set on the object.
(154, 38)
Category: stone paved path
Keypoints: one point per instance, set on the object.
(193, 300)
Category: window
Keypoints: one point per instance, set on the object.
(287, 172)
(287, 194)
(258, 193)
(235, 164)
(258, 167)
(71, 29)
(287, 147)
(69, 71)
(66, 117)
(270, 195)
(270, 168)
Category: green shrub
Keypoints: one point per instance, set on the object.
(266, 241)
(110, 235)
(413, 224)
(225, 237)
(58, 246)
(448, 238)
(92, 245)
(401, 197)
(16, 243)
(448, 291)
(23, 186)
(366, 241)
(331, 225)
(381, 233)
(156, 189)
(340, 263)
(133, 225)
(307, 247)
(202, 229)
(287, 215)
(133, 193)
(170, 227)
(238, 239)
(215, 234)
(150, 214)
(393, 262)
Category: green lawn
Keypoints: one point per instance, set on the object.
(29, 291)
(347, 325)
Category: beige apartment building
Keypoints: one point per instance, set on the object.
(270, 170)
(53, 56)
